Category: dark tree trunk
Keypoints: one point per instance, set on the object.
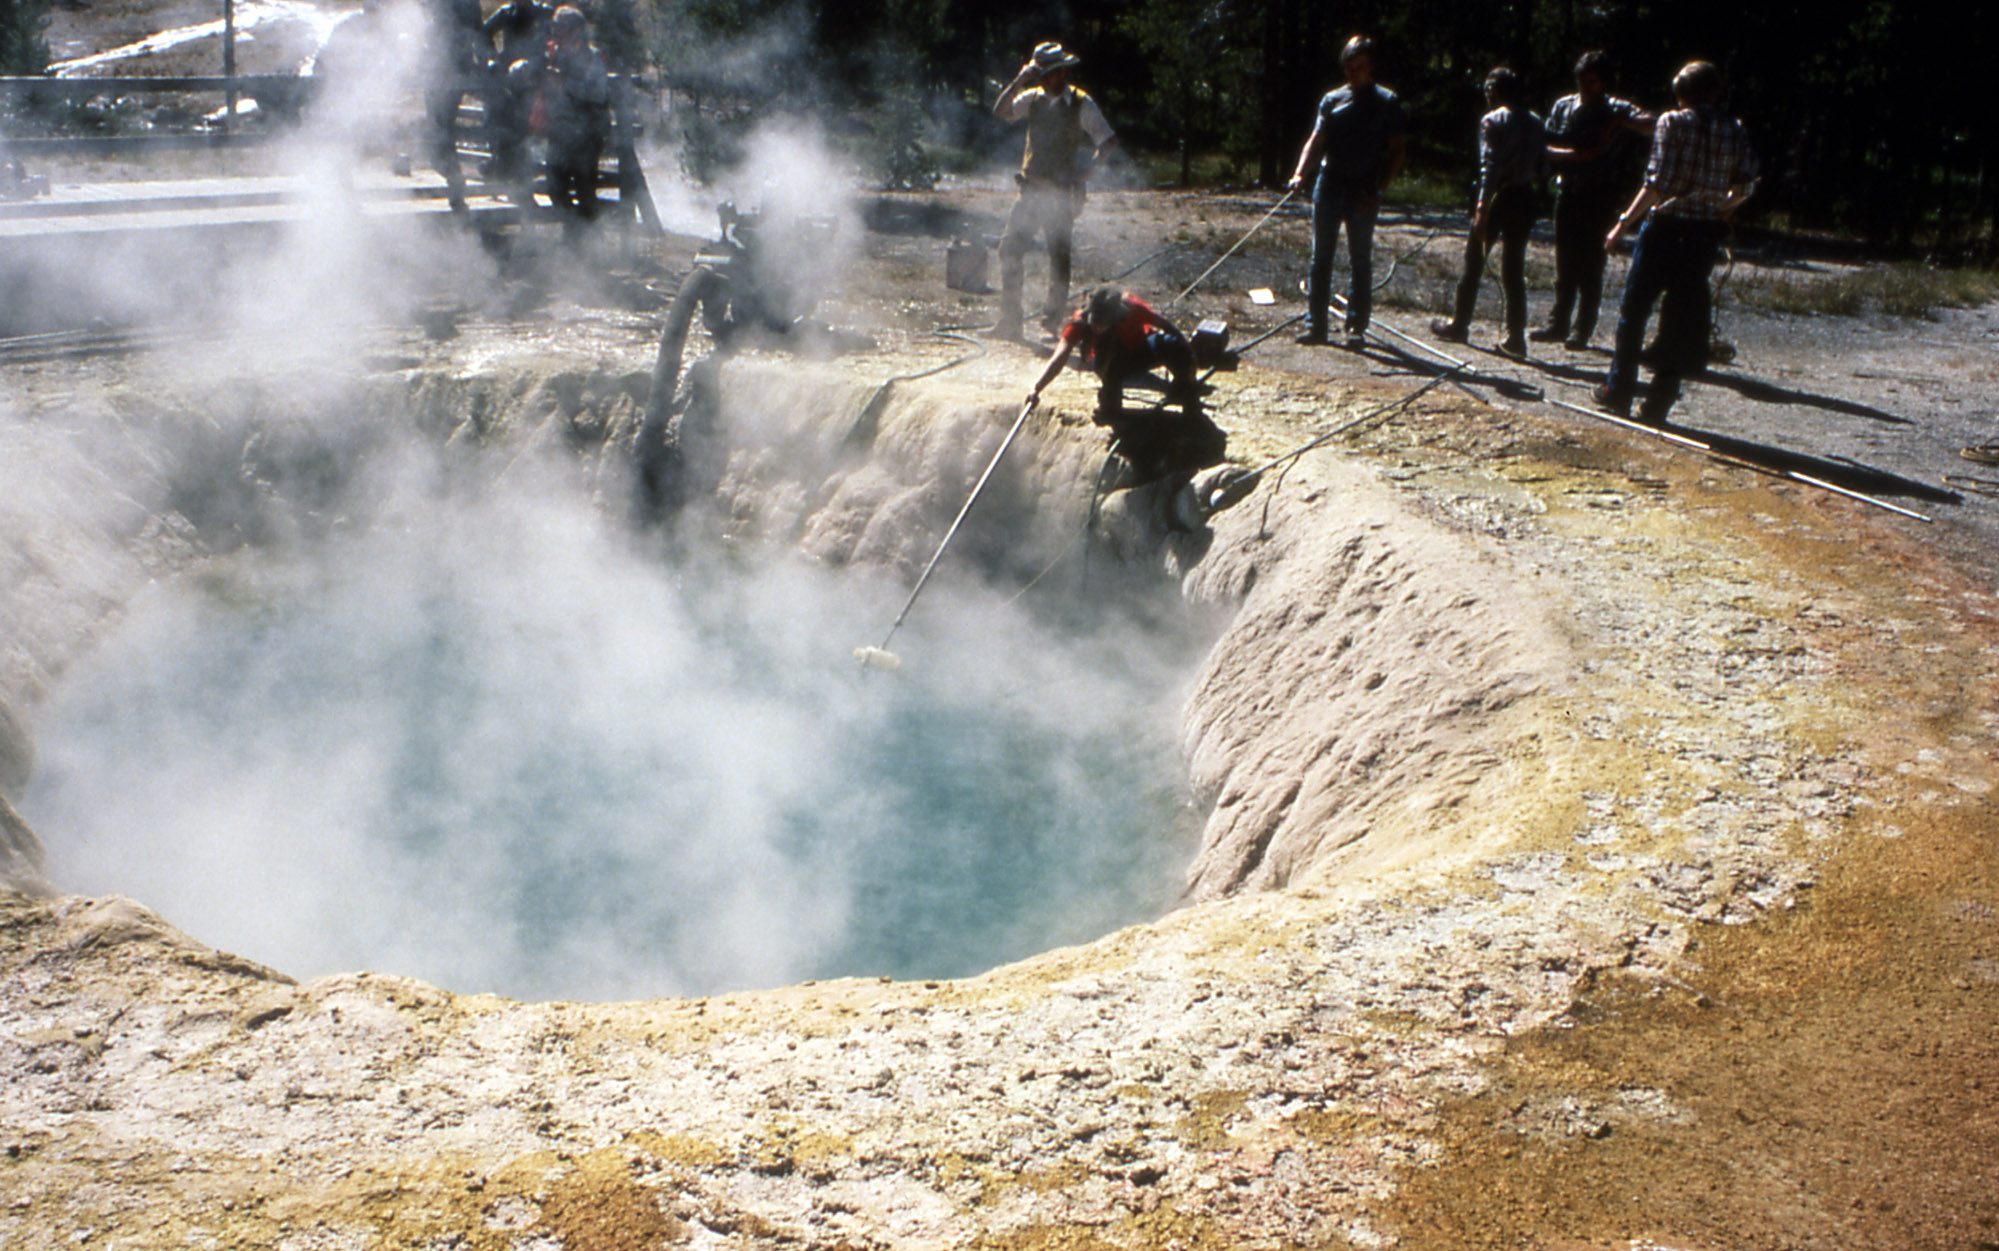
(1270, 149)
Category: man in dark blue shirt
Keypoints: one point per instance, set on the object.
(1589, 135)
(1357, 147)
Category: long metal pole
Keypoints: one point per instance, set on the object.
(971, 499)
(1232, 251)
(228, 64)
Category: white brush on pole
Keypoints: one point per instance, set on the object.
(881, 657)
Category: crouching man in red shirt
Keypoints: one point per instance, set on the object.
(1124, 338)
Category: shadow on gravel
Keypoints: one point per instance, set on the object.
(1752, 388)
(1841, 471)
(1404, 361)
(1744, 385)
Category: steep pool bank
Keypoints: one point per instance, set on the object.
(1649, 696)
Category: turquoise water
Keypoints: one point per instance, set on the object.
(545, 767)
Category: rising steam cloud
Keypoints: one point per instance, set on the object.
(492, 741)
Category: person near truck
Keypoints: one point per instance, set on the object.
(573, 110)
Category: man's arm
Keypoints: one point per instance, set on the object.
(1098, 131)
(1634, 119)
(1642, 203)
(1048, 372)
(1307, 158)
(1488, 173)
(1397, 151)
(1027, 77)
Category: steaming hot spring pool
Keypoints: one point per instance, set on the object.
(505, 747)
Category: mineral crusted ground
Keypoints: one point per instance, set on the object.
(1603, 856)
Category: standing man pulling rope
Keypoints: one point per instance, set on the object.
(1067, 137)
(1701, 172)
(1356, 147)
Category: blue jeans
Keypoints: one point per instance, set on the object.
(1117, 366)
(1355, 206)
(1674, 259)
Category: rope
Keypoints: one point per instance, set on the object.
(1407, 254)
(868, 409)
(1232, 250)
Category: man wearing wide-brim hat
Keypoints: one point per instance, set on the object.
(1066, 137)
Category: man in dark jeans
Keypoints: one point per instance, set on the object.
(1701, 172)
(1122, 338)
(1511, 151)
(1589, 133)
(1357, 147)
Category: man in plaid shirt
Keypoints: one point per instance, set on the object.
(1701, 172)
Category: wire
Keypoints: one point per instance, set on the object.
(1408, 254)
(869, 410)
(1232, 250)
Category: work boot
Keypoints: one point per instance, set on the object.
(1548, 334)
(1186, 392)
(1356, 338)
(1008, 329)
(1609, 401)
(1659, 400)
(1576, 342)
(1449, 331)
(1512, 349)
(1313, 336)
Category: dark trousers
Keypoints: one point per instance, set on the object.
(572, 177)
(1672, 259)
(1582, 219)
(1509, 219)
(1355, 207)
(1117, 366)
(441, 111)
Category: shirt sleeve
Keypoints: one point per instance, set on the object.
(1558, 122)
(1094, 125)
(1489, 138)
(1022, 104)
(1663, 171)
